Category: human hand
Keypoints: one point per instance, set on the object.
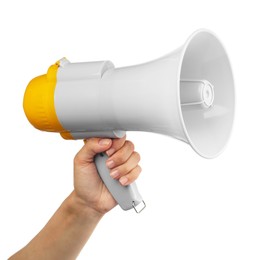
(70, 227)
(123, 164)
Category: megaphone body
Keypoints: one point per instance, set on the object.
(187, 94)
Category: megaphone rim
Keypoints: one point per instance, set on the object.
(184, 49)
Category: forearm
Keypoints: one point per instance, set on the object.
(64, 235)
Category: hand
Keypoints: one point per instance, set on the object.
(70, 227)
(123, 164)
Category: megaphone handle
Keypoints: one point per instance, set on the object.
(127, 197)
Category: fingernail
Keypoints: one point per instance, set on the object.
(104, 142)
(110, 164)
(114, 174)
(110, 151)
(123, 180)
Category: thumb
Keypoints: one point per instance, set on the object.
(91, 148)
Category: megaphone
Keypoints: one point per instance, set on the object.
(187, 94)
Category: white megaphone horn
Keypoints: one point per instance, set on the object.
(187, 94)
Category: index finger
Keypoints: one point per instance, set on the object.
(116, 145)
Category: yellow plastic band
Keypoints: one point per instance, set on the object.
(38, 102)
(66, 135)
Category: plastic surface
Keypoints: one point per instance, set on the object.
(196, 93)
(102, 134)
(172, 95)
(124, 195)
(147, 97)
(208, 130)
(38, 102)
(96, 97)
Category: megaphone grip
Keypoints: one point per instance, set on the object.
(127, 197)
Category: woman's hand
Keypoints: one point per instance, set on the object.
(123, 164)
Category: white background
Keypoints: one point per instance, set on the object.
(196, 208)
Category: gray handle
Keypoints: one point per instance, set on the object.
(127, 197)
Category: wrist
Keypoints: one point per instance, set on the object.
(77, 207)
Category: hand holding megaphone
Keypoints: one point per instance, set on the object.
(187, 94)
